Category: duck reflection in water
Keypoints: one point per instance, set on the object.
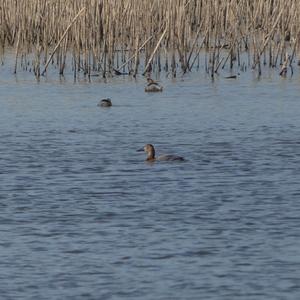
(149, 149)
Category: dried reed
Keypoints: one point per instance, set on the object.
(129, 35)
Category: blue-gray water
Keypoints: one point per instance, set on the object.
(84, 217)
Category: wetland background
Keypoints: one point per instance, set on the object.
(84, 217)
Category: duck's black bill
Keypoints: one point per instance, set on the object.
(140, 150)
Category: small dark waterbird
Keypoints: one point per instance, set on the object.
(105, 103)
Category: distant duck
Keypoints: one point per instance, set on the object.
(153, 86)
(105, 103)
(149, 149)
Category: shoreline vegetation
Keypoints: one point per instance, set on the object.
(117, 37)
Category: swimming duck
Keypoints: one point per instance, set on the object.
(153, 86)
(149, 149)
(105, 103)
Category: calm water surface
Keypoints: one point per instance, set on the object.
(84, 217)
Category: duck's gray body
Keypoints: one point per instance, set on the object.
(169, 157)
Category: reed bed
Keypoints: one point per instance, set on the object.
(139, 36)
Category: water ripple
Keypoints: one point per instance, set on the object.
(84, 217)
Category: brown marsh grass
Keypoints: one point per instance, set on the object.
(131, 36)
